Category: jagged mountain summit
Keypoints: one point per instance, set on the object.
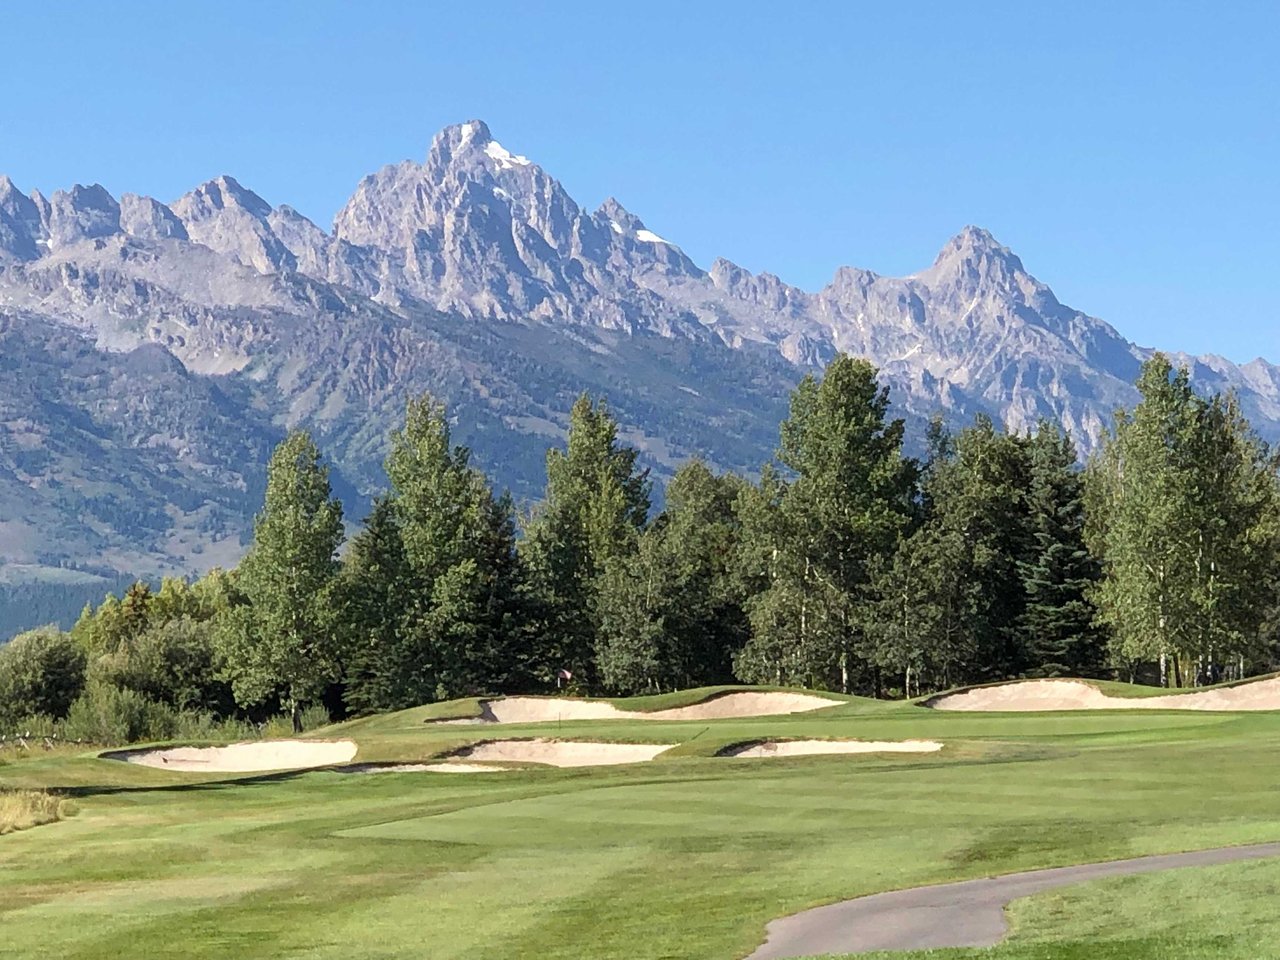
(175, 342)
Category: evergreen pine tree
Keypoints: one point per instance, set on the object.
(432, 582)
(595, 507)
(1058, 574)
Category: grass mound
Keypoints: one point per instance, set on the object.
(707, 703)
(1072, 694)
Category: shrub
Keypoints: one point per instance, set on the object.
(35, 727)
(172, 662)
(281, 727)
(205, 726)
(41, 672)
(111, 716)
(314, 717)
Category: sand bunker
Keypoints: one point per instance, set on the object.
(726, 706)
(561, 753)
(805, 748)
(243, 757)
(1028, 695)
(453, 767)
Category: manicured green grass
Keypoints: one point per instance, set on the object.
(686, 856)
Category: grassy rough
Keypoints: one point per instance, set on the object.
(24, 809)
(686, 856)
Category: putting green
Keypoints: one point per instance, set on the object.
(686, 855)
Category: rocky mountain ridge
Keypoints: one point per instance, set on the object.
(175, 342)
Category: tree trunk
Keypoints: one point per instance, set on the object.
(296, 711)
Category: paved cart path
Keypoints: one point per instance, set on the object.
(969, 913)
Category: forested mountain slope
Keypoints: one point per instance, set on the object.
(151, 353)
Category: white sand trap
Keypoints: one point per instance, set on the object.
(1028, 695)
(727, 706)
(807, 748)
(453, 767)
(561, 753)
(243, 757)
(743, 704)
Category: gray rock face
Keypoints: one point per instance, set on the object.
(83, 213)
(480, 231)
(224, 216)
(148, 219)
(22, 226)
(475, 275)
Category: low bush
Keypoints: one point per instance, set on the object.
(41, 672)
(313, 718)
(171, 663)
(111, 716)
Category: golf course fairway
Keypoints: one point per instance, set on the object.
(688, 854)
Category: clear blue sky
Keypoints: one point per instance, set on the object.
(1129, 152)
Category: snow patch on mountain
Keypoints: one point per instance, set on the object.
(506, 159)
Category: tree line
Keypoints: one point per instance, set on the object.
(845, 565)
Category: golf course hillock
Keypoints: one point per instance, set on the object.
(708, 704)
(1076, 694)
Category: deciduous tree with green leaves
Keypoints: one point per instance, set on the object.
(1182, 513)
(280, 641)
(848, 496)
(41, 673)
(671, 614)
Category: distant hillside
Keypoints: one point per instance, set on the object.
(151, 354)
